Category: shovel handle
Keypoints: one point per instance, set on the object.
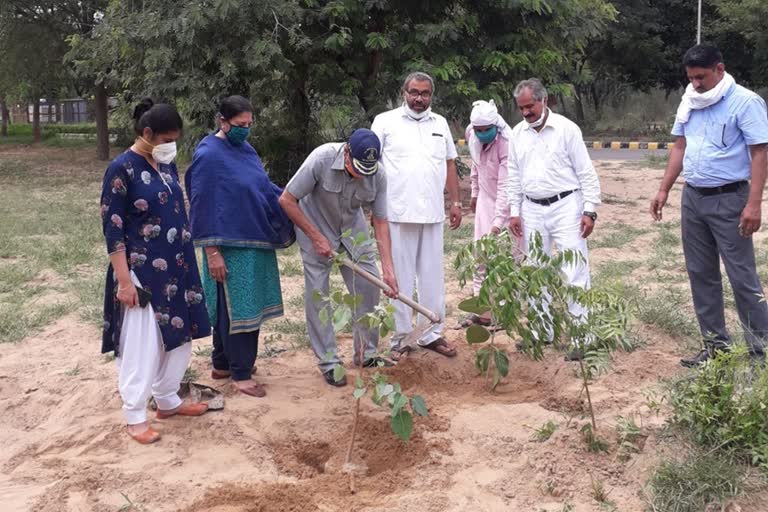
(384, 286)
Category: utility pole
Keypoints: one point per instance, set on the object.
(698, 30)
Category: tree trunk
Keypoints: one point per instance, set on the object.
(367, 92)
(596, 100)
(37, 133)
(102, 128)
(302, 111)
(561, 100)
(579, 106)
(5, 113)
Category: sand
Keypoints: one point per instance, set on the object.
(64, 446)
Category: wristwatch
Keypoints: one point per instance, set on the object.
(591, 215)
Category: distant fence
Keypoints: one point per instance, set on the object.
(66, 111)
(599, 144)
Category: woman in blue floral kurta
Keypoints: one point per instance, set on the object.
(150, 246)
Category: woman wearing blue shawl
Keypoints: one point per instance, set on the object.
(236, 218)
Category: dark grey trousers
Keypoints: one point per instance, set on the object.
(710, 232)
(321, 335)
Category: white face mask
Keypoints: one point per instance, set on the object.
(164, 153)
(540, 120)
(416, 115)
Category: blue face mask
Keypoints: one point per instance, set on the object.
(487, 136)
(237, 134)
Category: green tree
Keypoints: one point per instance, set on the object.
(643, 48)
(32, 54)
(302, 62)
(41, 28)
(742, 20)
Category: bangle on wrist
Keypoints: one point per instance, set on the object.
(123, 288)
(214, 253)
(456, 203)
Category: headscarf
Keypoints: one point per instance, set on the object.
(693, 100)
(484, 113)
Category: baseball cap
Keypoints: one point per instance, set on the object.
(365, 149)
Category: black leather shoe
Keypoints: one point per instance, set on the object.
(375, 362)
(328, 376)
(697, 359)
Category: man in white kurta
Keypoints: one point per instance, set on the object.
(418, 156)
(553, 187)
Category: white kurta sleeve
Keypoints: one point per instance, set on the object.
(514, 180)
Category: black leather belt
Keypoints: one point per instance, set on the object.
(550, 200)
(722, 189)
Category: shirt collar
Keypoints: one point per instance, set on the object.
(338, 162)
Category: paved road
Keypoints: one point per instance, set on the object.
(632, 155)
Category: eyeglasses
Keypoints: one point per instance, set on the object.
(425, 95)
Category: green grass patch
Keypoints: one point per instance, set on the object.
(666, 248)
(50, 222)
(692, 483)
(668, 310)
(203, 351)
(294, 330)
(545, 431)
(16, 323)
(723, 405)
(616, 236)
(291, 266)
(614, 271)
(21, 134)
(296, 302)
(455, 239)
(614, 199)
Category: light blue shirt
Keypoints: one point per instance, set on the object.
(717, 137)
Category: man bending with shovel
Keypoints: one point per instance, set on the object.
(325, 199)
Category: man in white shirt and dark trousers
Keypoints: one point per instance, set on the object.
(418, 159)
(552, 186)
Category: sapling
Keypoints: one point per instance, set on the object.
(342, 310)
(529, 297)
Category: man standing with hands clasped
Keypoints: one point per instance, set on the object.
(722, 131)
(553, 187)
(418, 157)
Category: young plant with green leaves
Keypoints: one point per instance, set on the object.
(724, 403)
(342, 309)
(529, 298)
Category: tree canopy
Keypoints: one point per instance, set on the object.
(317, 69)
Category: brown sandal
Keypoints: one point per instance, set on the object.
(256, 390)
(149, 436)
(396, 354)
(225, 374)
(441, 347)
(185, 409)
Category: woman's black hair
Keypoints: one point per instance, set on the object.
(232, 106)
(160, 118)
